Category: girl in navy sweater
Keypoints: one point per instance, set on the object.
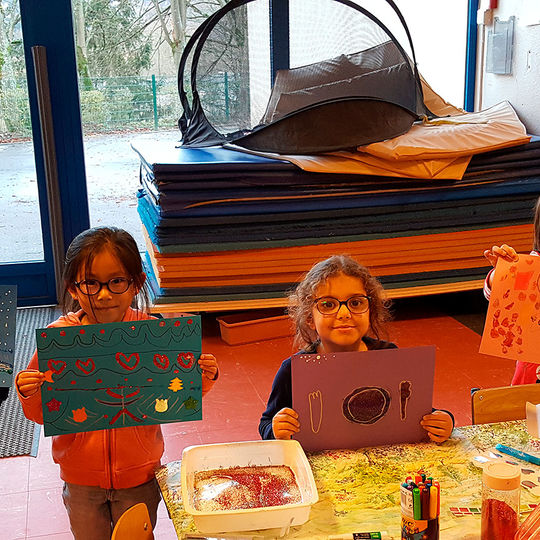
(338, 307)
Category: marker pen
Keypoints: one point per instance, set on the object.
(436, 484)
(424, 501)
(433, 501)
(417, 505)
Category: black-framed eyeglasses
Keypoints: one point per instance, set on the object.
(116, 285)
(328, 305)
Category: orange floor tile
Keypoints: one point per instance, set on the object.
(31, 489)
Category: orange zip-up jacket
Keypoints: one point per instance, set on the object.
(113, 458)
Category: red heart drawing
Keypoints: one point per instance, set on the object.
(125, 361)
(56, 366)
(161, 361)
(185, 359)
(86, 367)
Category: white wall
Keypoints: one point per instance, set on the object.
(439, 33)
(522, 87)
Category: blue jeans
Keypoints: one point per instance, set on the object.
(93, 511)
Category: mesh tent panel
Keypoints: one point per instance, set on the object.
(338, 54)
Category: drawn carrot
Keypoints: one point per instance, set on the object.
(405, 394)
(315, 410)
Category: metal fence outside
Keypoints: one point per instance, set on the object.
(110, 104)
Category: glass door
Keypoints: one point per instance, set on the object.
(32, 157)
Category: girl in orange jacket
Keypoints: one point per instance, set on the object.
(105, 472)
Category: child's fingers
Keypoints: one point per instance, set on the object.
(208, 361)
(505, 252)
(509, 253)
(438, 425)
(436, 438)
(284, 428)
(285, 423)
(488, 254)
(287, 411)
(208, 365)
(29, 382)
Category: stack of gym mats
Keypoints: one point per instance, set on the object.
(228, 230)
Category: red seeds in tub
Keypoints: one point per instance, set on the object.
(506, 294)
(532, 297)
(496, 303)
(505, 322)
(519, 330)
(504, 350)
(497, 313)
(522, 296)
(519, 341)
(501, 330)
(494, 333)
(495, 323)
(509, 306)
(515, 316)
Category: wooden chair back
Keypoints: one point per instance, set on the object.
(503, 403)
(134, 524)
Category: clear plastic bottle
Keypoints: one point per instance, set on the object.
(500, 501)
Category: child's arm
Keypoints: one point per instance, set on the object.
(28, 384)
(504, 252)
(280, 400)
(438, 424)
(210, 371)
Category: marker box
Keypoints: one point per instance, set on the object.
(411, 529)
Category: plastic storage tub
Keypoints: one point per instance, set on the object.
(254, 326)
(245, 454)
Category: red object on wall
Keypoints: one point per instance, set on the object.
(493, 4)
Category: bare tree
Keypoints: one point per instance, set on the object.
(178, 19)
(11, 51)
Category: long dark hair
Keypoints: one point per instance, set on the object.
(301, 299)
(536, 245)
(87, 245)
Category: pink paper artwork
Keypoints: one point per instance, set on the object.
(357, 399)
(512, 327)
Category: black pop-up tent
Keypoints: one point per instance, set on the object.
(349, 81)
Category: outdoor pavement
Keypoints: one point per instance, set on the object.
(112, 174)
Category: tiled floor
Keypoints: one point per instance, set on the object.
(30, 488)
